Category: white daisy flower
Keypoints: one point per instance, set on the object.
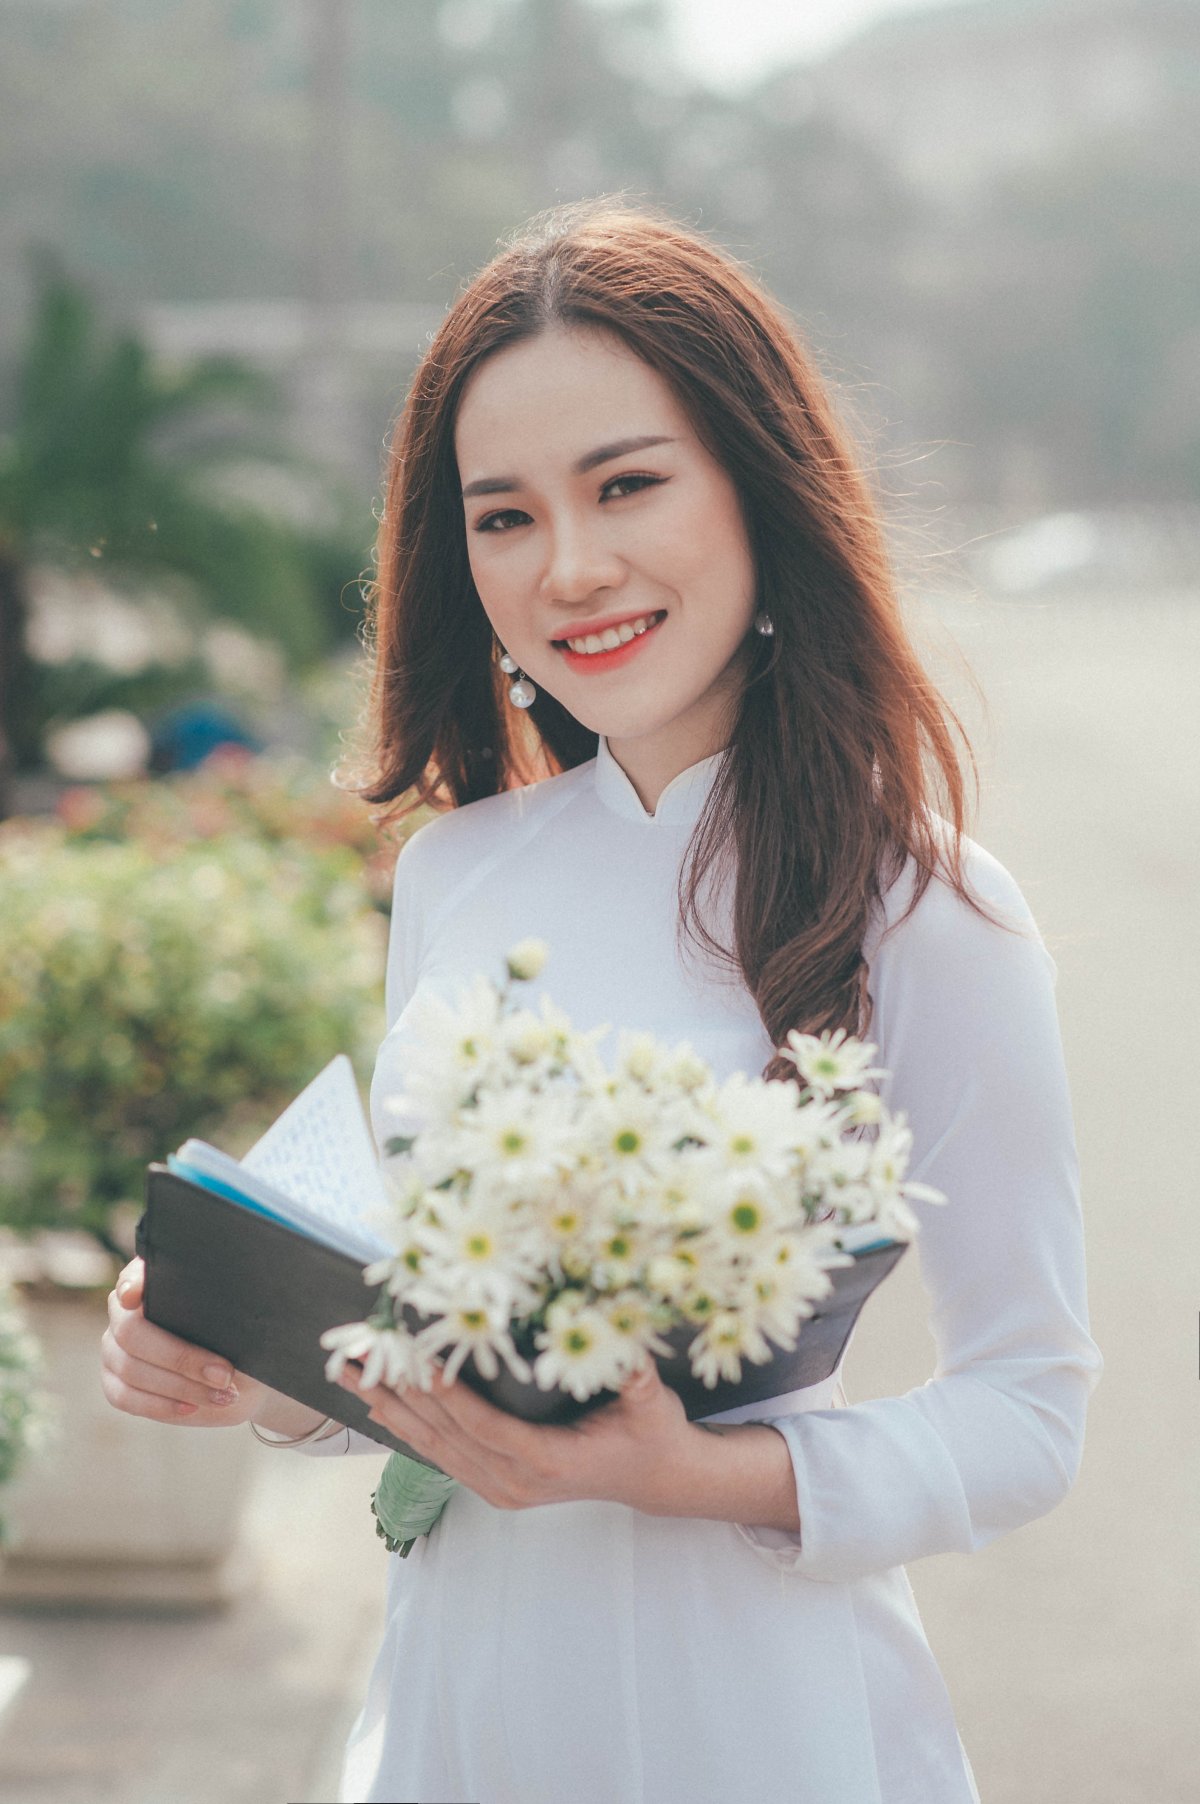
(478, 1248)
(749, 1216)
(618, 1253)
(516, 1138)
(389, 1355)
(687, 1072)
(830, 1061)
(863, 1109)
(756, 1124)
(782, 1284)
(632, 1319)
(527, 1039)
(639, 1058)
(722, 1344)
(633, 1135)
(446, 1051)
(400, 1269)
(671, 1276)
(561, 1213)
(581, 1350)
(840, 1176)
(889, 1161)
(478, 1328)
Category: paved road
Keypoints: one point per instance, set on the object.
(1071, 1648)
(246, 1707)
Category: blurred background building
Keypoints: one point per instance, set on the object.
(982, 213)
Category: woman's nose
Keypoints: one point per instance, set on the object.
(578, 562)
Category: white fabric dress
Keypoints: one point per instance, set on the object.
(586, 1651)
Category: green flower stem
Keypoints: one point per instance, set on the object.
(408, 1500)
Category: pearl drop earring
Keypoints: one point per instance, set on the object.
(764, 624)
(522, 694)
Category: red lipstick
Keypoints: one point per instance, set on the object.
(596, 661)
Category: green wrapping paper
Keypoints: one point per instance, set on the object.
(407, 1502)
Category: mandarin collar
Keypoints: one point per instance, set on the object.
(678, 805)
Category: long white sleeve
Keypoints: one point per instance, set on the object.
(965, 1024)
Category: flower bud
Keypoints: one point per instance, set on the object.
(526, 959)
(865, 1109)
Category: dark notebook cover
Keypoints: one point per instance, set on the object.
(261, 1294)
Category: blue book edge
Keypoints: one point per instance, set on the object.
(201, 1178)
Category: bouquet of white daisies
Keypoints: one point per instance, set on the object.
(560, 1221)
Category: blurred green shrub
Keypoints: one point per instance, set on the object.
(179, 959)
(276, 800)
(28, 1415)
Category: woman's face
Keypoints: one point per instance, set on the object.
(590, 504)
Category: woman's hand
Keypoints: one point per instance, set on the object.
(636, 1450)
(148, 1372)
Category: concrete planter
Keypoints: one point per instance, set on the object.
(120, 1512)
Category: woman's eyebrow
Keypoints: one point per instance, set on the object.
(621, 447)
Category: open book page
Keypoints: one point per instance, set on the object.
(316, 1167)
(321, 1152)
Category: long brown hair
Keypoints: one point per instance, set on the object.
(842, 753)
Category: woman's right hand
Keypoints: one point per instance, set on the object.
(148, 1372)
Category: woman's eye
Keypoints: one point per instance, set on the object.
(615, 489)
(639, 482)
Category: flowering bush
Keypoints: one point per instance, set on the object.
(159, 988)
(277, 800)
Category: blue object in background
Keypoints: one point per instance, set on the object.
(183, 737)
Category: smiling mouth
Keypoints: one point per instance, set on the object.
(591, 645)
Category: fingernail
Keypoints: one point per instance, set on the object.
(124, 1287)
(187, 1409)
(227, 1396)
(220, 1376)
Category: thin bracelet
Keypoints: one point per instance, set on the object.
(314, 1434)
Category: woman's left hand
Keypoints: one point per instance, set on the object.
(634, 1450)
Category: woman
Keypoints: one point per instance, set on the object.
(636, 635)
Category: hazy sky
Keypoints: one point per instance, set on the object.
(728, 42)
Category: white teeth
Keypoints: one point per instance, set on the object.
(613, 636)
